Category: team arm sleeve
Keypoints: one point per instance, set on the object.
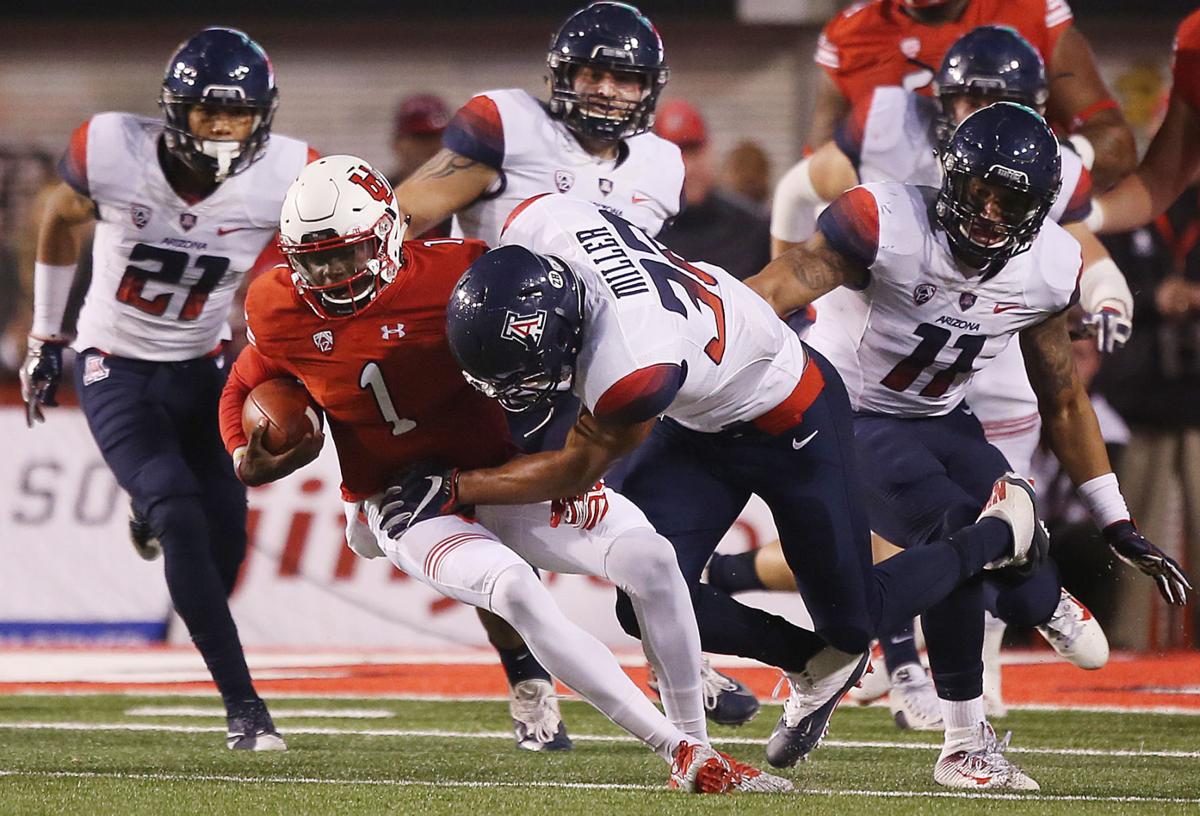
(252, 368)
(641, 395)
(1058, 18)
(72, 167)
(851, 226)
(477, 132)
(1079, 206)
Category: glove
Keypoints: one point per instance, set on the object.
(584, 511)
(1110, 327)
(422, 492)
(40, 375)
(1133, 548)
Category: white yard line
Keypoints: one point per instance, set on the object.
(417, 733)
(468, 784)
(277, 712)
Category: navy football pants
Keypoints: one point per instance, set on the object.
(923, 478)
(693, 485)
(156, 425)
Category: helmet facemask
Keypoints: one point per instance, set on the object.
(989, 217)
(600, 117)
(216, 158)
(340, 275)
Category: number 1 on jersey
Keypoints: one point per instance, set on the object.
(371, 377)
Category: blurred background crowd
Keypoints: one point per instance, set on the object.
(383, 79)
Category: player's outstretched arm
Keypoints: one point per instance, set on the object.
(441, 187)
(53, 272)
(1078, 96)
(1168, 168)
(590, 450)
(1074, 436)
(1103, 293)
(802, 274)
(252, 462)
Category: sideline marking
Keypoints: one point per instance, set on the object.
(506, 735)
(310, 780)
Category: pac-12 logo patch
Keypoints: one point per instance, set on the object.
(524, 328)
(924, 293)
(323, 340)
(563, 180)
(140, 215)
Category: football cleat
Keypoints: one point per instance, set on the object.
(697, 768)
(145, 543)
(979, 763)
(993, 695)
(874, 684)
(1014, 502)
(536, 719)
(726, 700)
(813, 695)
(914, 702)
(1075, 634)
(250, 728)
(749, 779)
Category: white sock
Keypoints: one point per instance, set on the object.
(580, 660)
(644, 565)
(963, 719)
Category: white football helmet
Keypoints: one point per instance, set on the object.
(341, 233)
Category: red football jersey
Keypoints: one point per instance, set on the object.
(391, 391)
(875, 43)
(1185, 68)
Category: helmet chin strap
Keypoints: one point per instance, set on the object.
(224, 152)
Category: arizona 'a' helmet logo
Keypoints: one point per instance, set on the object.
(524, 328)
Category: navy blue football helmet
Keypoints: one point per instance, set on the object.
(514, 325)
(1001, 173)
(992, 62)
(218, 67)
(612, 36)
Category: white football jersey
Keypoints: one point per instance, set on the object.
(165, 272)
(909, 343)
(645, 306)
(898, 143)
(536, 153)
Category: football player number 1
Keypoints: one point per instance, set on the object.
(372, 378)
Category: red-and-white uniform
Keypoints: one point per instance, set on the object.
(875, 43)
(165, 270)
(918, 306)
(663, 335)
(513, 133)
(1185, 61)
(889, 138)
(393, 396)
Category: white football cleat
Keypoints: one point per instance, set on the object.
(874, 684)
(913, 701)
(978, 763)
(1014, 502)
(993, 694)
(537, 723)
(697, 768)
(748, 779)
(1075, 634)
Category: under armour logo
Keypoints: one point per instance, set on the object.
(388, 332)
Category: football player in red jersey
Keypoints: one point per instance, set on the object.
(1173, 158)
(360, 319)
(901, 42)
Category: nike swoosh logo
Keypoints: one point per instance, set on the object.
(227, 230)
(637, 199)
(901, 639)
(968, 411)
(435, 483)
(798, 444)
(1000, 308)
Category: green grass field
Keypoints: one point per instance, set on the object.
(98, 754)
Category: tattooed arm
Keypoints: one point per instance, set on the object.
(1070, 422)
(804, 273)
(442, 186)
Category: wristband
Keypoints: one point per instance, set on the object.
(1103, 284)
(1095, 220)
(239, 453)
(794, 207)
(1083, 147)
(1103, 499)
(51, 290)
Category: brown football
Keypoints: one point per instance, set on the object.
(289, 412)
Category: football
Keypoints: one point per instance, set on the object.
(289, 412)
